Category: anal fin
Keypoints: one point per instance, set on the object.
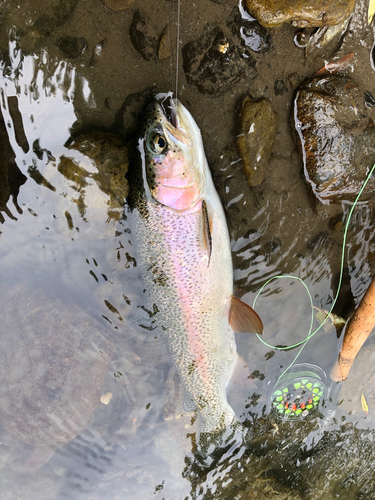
(243, 318)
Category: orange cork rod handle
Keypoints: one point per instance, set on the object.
(357, 331)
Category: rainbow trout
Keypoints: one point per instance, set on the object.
(184, 252)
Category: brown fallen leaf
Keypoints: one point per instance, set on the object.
(333, 67)
(333, 321)
(364, 404)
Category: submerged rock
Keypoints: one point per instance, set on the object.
(127, 120)
(54, 15)
(143, 35)
(53, 361)
(258, 127)
(336, 138)
(110, 157)
(72, 46)
(11, 178)
(33, 23)
(280, 88)
(91, 174)
(302, 13)
(215, 63)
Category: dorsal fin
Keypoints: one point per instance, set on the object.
(243, 318)
(207, 238)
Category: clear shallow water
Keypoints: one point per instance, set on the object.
(71, 285)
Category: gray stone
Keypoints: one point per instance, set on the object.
(72, 46)
(215, 63)
(336, 138)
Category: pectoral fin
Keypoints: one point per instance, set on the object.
(207, 238)
(243, 318)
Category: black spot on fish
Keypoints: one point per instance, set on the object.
(160, 277)
(191, 367)
(201, 403)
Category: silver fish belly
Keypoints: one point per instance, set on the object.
(193, 300)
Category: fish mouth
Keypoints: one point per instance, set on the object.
(173, 122)
(169, 109)
(170, 112)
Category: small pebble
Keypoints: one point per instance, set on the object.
(164, 50)
(106, 398)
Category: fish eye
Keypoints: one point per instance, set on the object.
(157, 143)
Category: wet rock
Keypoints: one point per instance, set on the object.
(110, 157)
(258, 127)
(143, 35)
(346, 457)
(294, 80)
(164, 50)
(336, 138)
(72, 46)
(302, 13)
(127, 119)
(11, 178)
(55, 14)
(118, 5)
(253, 35)
(280, 88)
(41, 18)
(215, 63)
(32, 41)
(257, 476)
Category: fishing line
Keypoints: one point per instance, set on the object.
(178, 43)
(312, 333)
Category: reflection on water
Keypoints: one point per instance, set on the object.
(74, 325)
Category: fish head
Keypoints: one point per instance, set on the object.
(174, 165)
